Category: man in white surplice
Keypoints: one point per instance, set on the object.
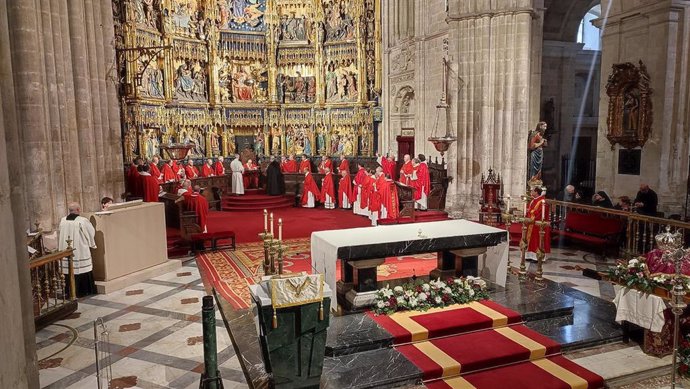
(237, 169)
(80, 231)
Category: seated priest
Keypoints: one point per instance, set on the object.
(358, 181)
(325, 163)
(328, 190)
(81, 234)
(155, 171)
(305, 165)
(198, 203)
(237, 169)
(185, 188)
(133, 182)
(345, 190)
(219, 168)
(251, 174)
(208, 170)
(421, 183)
(275, 182)
(150, 188)
(537, 210)
(169, 171)
(406, 170)
(344, 163)
(310, 192)
(190, 170)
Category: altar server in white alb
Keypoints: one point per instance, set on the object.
(81, 233)
(237, 169)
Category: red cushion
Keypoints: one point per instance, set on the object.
(593, 224)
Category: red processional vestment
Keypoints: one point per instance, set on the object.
(310, 186)
(191, 172)
(150, 187)
(325, 164)
(207, 171)
(406, 173)
(327, 188)
(155, 172)
(133, 181)
(290, 166)
(367, 189)
(250, 175)
(534, 211)
(344, 165)
(198, 203)
(305, 166)
(345, 189)
(168, 173)
(359, 180)
(422, 183)
(388, 194)
(219, 168)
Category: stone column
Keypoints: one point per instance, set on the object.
(658, 34)
(18, 368)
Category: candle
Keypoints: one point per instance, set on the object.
(508, 210)
(543, 210)
(265, 220)
(271, 223)
(524, 208)
(280, 229)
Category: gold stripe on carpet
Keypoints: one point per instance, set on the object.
(416, 330)
(449, 365)
(459, 383)
(536, 349)
(498, 318)
(567, 376)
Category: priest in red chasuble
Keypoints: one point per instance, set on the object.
(310, 192)
(328, 190)
(251, 176)
(305, 165)
(345, 190)
(291, 165)
(421, 183)
(133, 181)
(537, 210)
(359, 180)
(190, 170)
(207, 170)
(169, 171)
(326, 163)
(198, 203)
(344, 164)
(219, 168)
(155, 172)
(387, 164)
(406, 171)
(149, 185)
(388, 192)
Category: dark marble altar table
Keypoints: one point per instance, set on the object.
(458, 244)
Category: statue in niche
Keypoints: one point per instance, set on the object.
(341, 83)
(197, 137)
(184, 83)
(331, 82)
(339, 24)
(130, 144)
(242, 83)
(151, 143)
(321, 140)
(225, 80)
(335, 142)
(307, 141)
(229, 145)
(247, 14)
(349, 147)
(311, 89)
(630, 112)
(190, 80)
(215, 142)
(351, 86)
(259, 143)
(631, 106)
(293, 29)
(223, 15)
(300, 89)
(290, 140)
(341, 144)
(275, 139)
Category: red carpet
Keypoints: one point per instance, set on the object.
(256, 202)
(230, 272)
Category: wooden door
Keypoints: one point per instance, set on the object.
(405, 146)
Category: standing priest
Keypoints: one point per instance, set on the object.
(237, 170)
(81, 233)
(275, 183)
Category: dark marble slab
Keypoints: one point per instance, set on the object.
(383, 368)
(420, 246)
(355, 333)
(533, 300)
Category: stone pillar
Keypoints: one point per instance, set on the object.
(499, 63)
(18, 368)
(658, 34)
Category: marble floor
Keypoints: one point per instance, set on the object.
(155, 338)
(155, 333)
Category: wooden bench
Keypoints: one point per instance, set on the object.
(593, 229)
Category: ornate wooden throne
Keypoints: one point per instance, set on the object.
(490, 203)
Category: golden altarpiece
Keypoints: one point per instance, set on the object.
(280, 76)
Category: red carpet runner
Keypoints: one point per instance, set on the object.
(481, 345)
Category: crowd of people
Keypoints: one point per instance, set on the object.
(645, 202)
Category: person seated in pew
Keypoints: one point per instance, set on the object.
(328, 190)
(219, 168)
(196, 202)
(345, 190)
(169, 171)
(149, 185)
(155, 171)
(310, 192)
(185, 188)
(305, 165)
(602, 199)
(190, 170)
(207, 170)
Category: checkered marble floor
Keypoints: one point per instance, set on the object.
(155, 338)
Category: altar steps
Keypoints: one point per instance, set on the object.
(255, 202)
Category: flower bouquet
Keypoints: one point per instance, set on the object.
(421, 296)
(633, 274)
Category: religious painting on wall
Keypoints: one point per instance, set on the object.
(339, 23)
(152, 79)
(341, 82)
(248, 82)
(245, 15)
(296, 89)
(191, 80)
(186, 18)
(293, 29)
(630, 106)
(147, 13)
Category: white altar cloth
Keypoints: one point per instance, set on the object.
(642, 309)
(325, 244)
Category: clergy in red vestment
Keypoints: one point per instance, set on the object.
(190, 170)
(251, 176)
(133, 181)
(386, 164)
(344, 164)
(325, 163)
(198, 203)
(345, 190)
(328, 190)
(184, 188)
(310, 192)
(420, 183)
(207, 170)
(359, 180)
(305, 165)
(537, 210)
(219, 168)
(149, 185)
(169, 171)
(406, 171)
(283, 164)
(155, 172)
(291, 165)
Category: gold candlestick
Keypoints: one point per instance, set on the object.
(540, 252)
(267, 238)
(523, 243)
(508, 218)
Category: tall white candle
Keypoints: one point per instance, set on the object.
(543, 210)
(265, 220)
(508, 210)
(271, 223)
(280, 229)
(524, 208)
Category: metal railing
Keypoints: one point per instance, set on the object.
(639, 232)
(49, 286)
(101, 345)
